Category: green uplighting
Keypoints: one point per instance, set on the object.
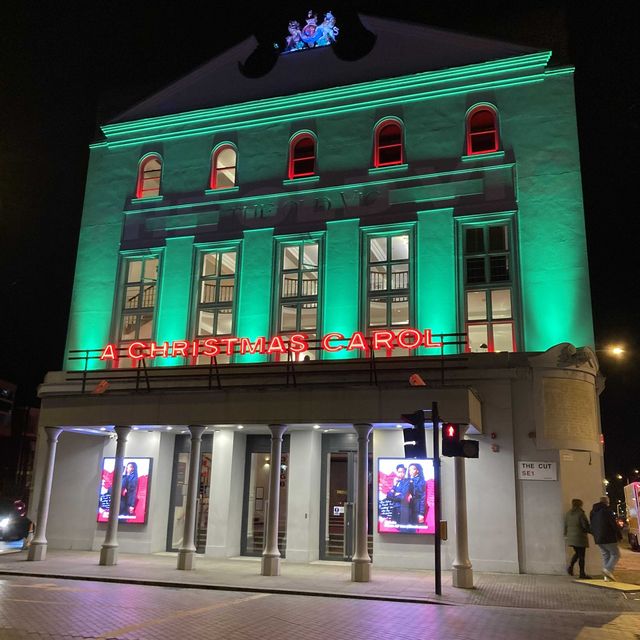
(254, 292)
(175, 294)
(340, 310)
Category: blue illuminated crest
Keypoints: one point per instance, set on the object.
(312, 34)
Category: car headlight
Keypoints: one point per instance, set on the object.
(4, 522)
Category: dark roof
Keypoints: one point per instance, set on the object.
(399, 49)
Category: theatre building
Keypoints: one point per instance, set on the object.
(266, 261)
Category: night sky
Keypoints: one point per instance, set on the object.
(62, 74)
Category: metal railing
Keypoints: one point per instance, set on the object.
(148, 298)
(287, 371)
(378, 280)
(225, 294)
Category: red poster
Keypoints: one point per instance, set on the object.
(406, 492)
(134, 495)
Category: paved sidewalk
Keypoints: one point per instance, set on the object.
(333, 579)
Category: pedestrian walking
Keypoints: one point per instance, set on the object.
(606, 534)
(576, 528)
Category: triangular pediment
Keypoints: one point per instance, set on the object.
(399, 49)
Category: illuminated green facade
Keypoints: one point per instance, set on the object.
(530, 186)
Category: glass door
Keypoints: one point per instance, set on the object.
(339, 496)
(256, 498)
(179, 487)
(339, 505)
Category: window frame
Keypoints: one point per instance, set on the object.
(281, 243)
(200, 250)
(485, 222)
(213, 175)
(489, 321)
(387, 231)
(119, 311)
(469, 134)
(298, 137)
(377, 147)
(140, 181)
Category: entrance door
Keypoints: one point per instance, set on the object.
(339, 496)
(256, 495)
(179, 486)
(339, 505)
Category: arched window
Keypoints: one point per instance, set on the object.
(388, 144)
(482, 131)
(223, 167)
(149, 174)
(302, 156)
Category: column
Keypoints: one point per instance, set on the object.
(173, 304)
(341, 283)
(271, 553)
(38, 548)
(109, 551)
(254, 287)
(435, 271)
(361, 565)
(462, 575)
(187, 551)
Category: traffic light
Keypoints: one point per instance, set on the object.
(7, 394)
(415, 445)
(453, 446)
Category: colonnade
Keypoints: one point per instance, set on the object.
(270, 564)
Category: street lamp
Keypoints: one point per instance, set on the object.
(628, 476)
(615, 350)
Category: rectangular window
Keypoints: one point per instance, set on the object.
(388, 285)
(488, 299)
(138, 302)
(298, 299)
(216, 295)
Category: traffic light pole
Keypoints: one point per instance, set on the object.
(435, 420)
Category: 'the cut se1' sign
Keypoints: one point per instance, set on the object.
(537, 470)
(296, 343)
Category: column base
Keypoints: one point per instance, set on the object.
(185, 560)
(108, 556)
(270, 566)
(37, 551)
(360, 571)
(462, 577)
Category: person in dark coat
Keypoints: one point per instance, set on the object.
(606, 534)
(129, 495)
(417, 494)
(576, 527)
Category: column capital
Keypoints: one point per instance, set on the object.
(196, 431)
(363, 429)
(122, 432)
(277, 430)
(53, 433)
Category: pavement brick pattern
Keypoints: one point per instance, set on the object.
(144, 597)
(35, 609)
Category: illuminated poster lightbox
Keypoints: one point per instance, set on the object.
(134, 497)
(406, 490)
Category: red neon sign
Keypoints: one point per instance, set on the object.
(409, 339)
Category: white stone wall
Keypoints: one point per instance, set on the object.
(303, 509)
(226, 494)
